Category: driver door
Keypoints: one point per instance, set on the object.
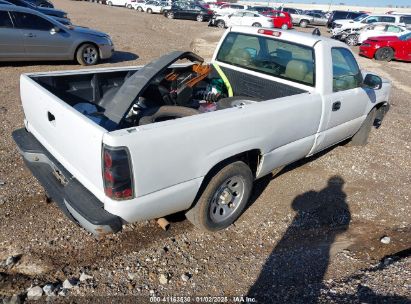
(39, 41)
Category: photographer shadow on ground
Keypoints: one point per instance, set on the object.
(294, 271)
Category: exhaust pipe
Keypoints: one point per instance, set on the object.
(163, 223)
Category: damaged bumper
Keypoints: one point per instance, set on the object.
(76, 202)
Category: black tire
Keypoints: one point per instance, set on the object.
(149, 11)
(230, 102)
(284, 27)
(384, 54)
(256, 24)
(352, 40)
(206, 211)
(87, 54)
(361, 137)
(109, 3)
(129, 6)
(170, 15)
(303, 23)
(220, 24)
(200, 18)
(139, 8)
(166, 112)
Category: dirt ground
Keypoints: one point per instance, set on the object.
(311, 233)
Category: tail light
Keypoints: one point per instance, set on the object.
(117, 174)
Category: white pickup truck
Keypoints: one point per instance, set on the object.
(118, 145)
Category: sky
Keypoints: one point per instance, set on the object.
(356, 2)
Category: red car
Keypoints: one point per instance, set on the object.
(281, 19)
(387, 48)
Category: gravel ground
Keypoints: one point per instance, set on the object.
(312, 233)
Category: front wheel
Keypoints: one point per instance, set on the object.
(303, 23)
(129, 6)
(87, 54)
(352, 40)
(223, 199)
(170, 15)
(384, 54)
(140, 9)
(149, 11)
(110, 3)
(256, 24)
(200, 18)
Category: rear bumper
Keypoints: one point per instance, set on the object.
(76, 202)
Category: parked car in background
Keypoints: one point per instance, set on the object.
(362, 21)
(243, 18)
(280, 19)
(405, 20)
(387, 48)
(45, 10)
(318, 18)
(151, 7)
(381, 29)
(227, 9)
(26, 35)
(214, 5)
(189, 11)
(41, 3)
(339, 15)
(260, 9)
(117, 2)
(298, 17)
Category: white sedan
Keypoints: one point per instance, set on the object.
(244, 18)
(381, 29)
(151, 6)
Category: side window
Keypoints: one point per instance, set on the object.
(5, 21)
(32, 22)
(346, 73)
(393, 29)
(405, 19)
(388, 19)
(371, 19)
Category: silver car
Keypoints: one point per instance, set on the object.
(26, 35)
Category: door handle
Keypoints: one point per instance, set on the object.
(30, 35)
(336, 106)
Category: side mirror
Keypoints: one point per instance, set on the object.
(372, 81)
(54, 30)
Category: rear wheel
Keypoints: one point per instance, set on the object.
(224, 198)
(149, 11)
(352, 40)
(170, 15)
(303, 23)
(140, 9)
(87, 54)
(284, 27)
(220, 24)
(129, 6)
(200, 18)
(110, 3)
(256, 24)
(384, 54)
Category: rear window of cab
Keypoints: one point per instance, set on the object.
(269, 56)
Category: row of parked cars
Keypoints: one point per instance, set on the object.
(35, 30)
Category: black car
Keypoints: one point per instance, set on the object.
(336, 15)
(189, 11)
(47, 11)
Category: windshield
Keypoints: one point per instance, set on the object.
(405, 36)
(360, 17)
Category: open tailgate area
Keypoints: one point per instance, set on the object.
(73, 139)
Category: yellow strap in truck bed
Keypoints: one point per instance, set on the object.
(224, 78)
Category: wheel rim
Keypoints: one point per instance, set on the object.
(227, 199)
(170, 15)
(199, 18)
(351, 40)
(284, 27)
(90, 55)
(257, 25)
(385, 53)
(220, 24)
(139, 9)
